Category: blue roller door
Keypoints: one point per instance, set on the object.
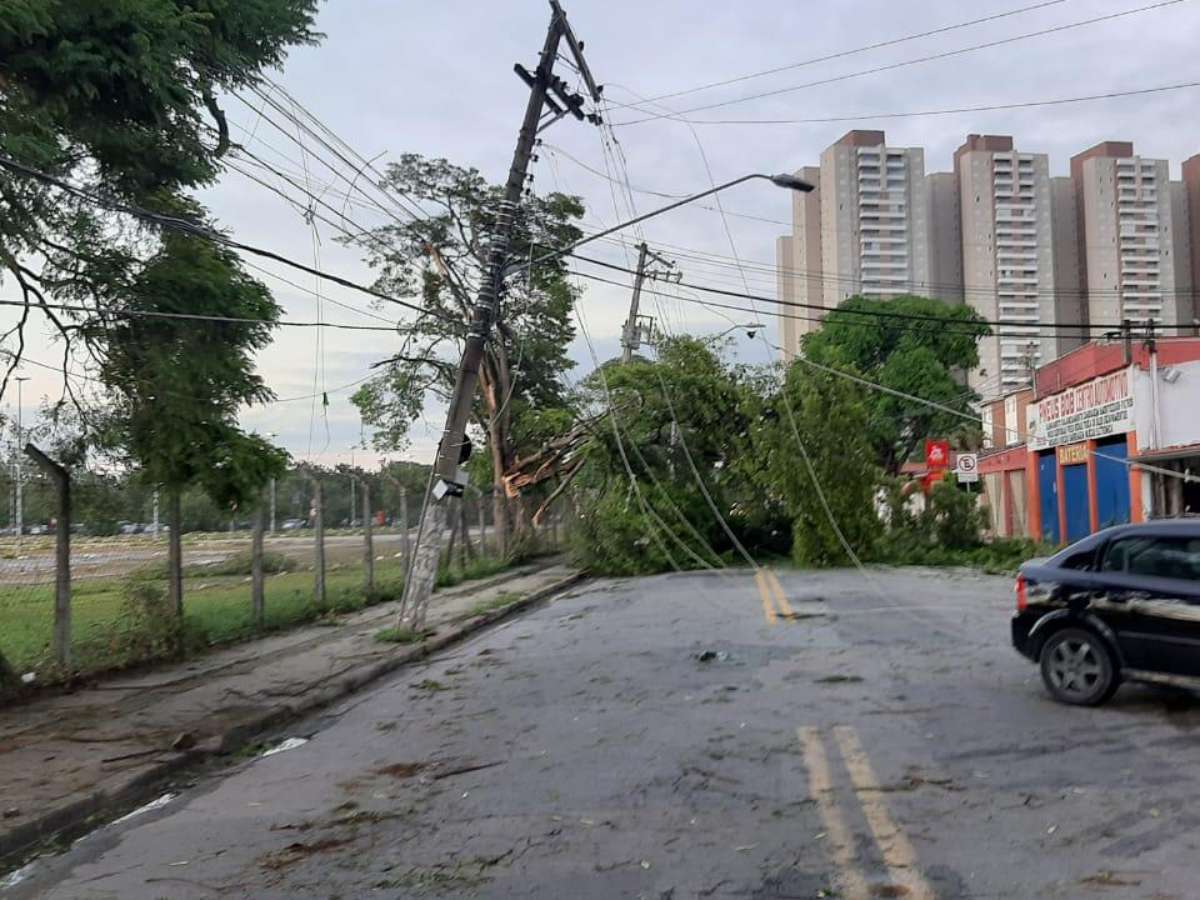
(1075, 491)
(1112, 482)
(1048, 496)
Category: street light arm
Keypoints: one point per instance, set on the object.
(784, 181)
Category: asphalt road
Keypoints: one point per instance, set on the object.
(689, 736)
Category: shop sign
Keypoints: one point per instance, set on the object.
(1072, 454)
(1096, 409)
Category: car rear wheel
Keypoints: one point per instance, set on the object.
(1078, 668)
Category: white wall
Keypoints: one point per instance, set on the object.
(1178, 407)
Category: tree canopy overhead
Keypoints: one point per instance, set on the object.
(914, 345)
(120, 97)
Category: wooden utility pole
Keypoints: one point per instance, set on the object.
(453, 447)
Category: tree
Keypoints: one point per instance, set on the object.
(684, 422)
(176, 384)
(817, 459)
(924, 357)
(119, 97)
(438, 258)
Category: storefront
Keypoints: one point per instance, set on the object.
(1113, 437)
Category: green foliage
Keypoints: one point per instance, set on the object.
(818, 460)
(395, 635)
(686, 424)
(507, 598)
(177, 384)
(148, 627)
(479, 567)
(922, 358)
(527, 355)
(950, 522)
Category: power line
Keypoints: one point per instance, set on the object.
(946, 326)
(884, 314)
(679, 114)
(992, 107)
(195, 229)
(844, 53)
(196, 317)
(766, 270)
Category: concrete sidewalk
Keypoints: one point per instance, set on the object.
(71, 757)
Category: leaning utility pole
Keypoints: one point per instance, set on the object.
(630, 335)
(454, 447)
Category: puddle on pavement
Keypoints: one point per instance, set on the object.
(157, 803)
(290, 744)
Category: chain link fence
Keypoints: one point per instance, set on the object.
(96, 594)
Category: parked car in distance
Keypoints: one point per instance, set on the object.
(1120, 605)
(293, 524)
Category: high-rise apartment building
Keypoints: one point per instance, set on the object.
(799, 264)
(874, 218)
(1136, 263)
(1191, 184)
(1008, 257)
(1115, 240)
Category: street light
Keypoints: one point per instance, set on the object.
(783, 180)
(750, 330)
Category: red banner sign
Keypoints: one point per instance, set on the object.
(937, 455)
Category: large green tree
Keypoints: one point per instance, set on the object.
(439, 258)
(121, 97)
(913, 345)
(685, 423)
(176, 385)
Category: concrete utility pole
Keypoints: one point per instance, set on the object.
(453, 448)
(631, 337)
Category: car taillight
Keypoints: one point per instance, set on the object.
(1022, 593)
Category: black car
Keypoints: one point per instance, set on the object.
(1123, 604)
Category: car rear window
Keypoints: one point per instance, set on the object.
(1162, 557)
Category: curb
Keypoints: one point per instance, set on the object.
(127, 791)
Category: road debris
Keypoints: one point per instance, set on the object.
(712, 656)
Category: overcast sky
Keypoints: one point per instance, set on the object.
(436, 79)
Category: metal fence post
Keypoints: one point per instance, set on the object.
(404, 545)
(368, 543)
(62, 555)
(319, 547)
(257, 598)
(483, 547)
(467, 551)
(175, 549)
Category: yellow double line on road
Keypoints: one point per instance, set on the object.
(770, 591)
(894, 846)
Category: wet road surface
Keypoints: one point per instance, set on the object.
(704, 735)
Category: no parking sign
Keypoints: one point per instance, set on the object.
(967, 467)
